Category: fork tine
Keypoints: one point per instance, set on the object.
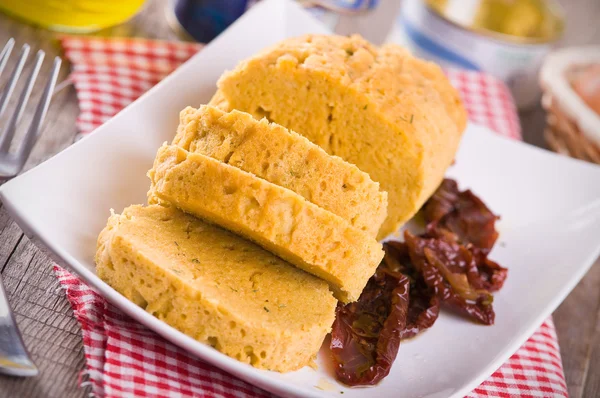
(9, 132)
(13, 78)
(40, 113)
(6, 53)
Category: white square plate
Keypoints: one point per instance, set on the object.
(550, 227)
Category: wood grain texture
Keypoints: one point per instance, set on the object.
(591, 384)
(577, 326)
(51, 332)
(49, 329)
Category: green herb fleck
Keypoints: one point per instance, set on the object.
(195, 260)
(176, 271)
(365, 108)
(294, 174)
(254, 290)
(176, 244)
(233, 289)
(412, 116)
(266, 309)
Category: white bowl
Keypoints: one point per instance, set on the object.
(550, 208)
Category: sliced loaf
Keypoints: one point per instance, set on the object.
(276, 218)
(287, 159)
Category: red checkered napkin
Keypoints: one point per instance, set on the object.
(126, 359)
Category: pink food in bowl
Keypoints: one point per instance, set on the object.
(586, 83)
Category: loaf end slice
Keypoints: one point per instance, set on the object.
(394, 116)
(216, 287)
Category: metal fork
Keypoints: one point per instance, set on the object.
(14, 359)
(12, 163)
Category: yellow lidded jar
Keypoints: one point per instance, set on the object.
(73, 16)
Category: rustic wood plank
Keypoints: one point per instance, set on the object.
(592, 375)
(49, 329)
(576, 323)
(10, 234)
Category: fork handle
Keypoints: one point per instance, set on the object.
(14, 359)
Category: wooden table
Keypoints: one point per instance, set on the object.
(46, 320)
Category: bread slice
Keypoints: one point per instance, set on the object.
(394, 116)
(216, 287)
(278, 219)
(287, 159)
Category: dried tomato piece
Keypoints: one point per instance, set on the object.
(444, 265)
(441, 203)
(486, 274)
(423, 304)
(460, 216)
(366, 334)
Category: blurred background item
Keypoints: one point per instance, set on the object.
(203, 20)
(570, 79)
(72, 16)
(372, 19)
(506, 38)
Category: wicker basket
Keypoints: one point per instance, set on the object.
(563, 135)
(573, 127)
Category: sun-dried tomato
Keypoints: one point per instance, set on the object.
(366, 334)
(486, 274)
(423, 304)
(460, 216)
(446, 265)
(443, 265)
